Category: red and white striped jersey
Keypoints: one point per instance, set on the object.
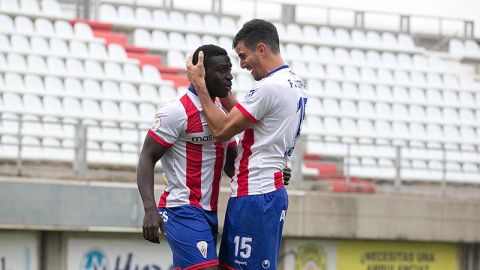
(193, 165)
(276, 105)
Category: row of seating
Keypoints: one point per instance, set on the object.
(44, 27)
(172, 20)
(159, 40)
(400, 130)
(159, 19)
(417, 170)
(467, 49)
(385, 93)
(32, 7)
(63, 150)
(382, 76)
(88, 88)
(41, 46)
(335, 98)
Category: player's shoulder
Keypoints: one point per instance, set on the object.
(172, 109)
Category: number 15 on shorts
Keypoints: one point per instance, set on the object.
(243, 247)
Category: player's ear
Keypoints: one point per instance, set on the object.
(261, 48)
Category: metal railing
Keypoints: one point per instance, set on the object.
(401, 176)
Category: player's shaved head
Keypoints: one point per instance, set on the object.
(256, 31)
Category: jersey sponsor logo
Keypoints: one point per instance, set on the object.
(203, 248)
(157, 122)
(205, 138)
(249, 96)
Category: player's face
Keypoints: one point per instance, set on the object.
(218, 75)
(251, 60)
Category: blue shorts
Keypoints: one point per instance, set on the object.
(253, 231)
(192, 236)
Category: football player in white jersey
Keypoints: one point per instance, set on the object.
(192, 160)
(268, 121)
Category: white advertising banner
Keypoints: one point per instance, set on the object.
(117, 254)
(19, 250)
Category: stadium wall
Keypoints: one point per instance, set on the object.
(59, 224)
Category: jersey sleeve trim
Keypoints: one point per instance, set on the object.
(158, 139)
(246, 113)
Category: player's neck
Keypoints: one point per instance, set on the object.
(193, 91)
(274, 62)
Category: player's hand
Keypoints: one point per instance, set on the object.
(152, 223)
(287, 173)
(196, 73)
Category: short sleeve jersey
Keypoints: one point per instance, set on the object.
(194, 161)
(276, 105)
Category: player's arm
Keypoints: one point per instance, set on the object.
(223, 126)
(229, 101)
(229, 167)
(151, 152)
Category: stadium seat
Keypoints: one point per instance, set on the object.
(228, 25)
(176, 20)
(357, 57)
(63, 29)
(209, 39)
(455, 47)
(20, 43)
(11, 5)
(404, 60)
(51, 8)
(30, 6)
(310, 32)
(36, 63)
(24, 25)
(373, 57)
(210, 22)
(74, 86)
(108, 13)
(373, 38)
(143, 16)
(132, 71)
(388, 40)
(75, 67)
(160, 17)
(471, 48)
(34, 84)
(142, 37)
(326, 34)
(40, 45)
(44, 27)
(14, 82)
(16, 62)
(78, 48)
(405, 41)
(83, 30)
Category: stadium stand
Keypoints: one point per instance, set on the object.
(380, 107)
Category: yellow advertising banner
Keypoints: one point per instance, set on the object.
(379, 255)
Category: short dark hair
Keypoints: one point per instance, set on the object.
(256, 31)
(209, 50)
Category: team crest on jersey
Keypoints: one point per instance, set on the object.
(156, 123)
(203, 247)
(249, 96)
